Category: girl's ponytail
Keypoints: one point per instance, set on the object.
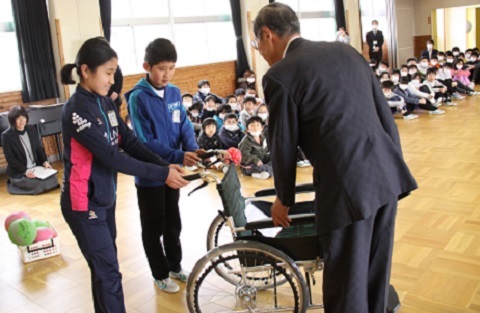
(66, 74)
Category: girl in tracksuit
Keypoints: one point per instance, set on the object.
(93, 134)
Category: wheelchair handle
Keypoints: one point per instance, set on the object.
(192, 177)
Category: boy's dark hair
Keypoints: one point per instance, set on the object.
(210, 97)
(160, 50)
(404, 80)
(396, 71)
(423, 58)
(252, 88)
(430, 41)
(227, 108)
(384, 63)
(432, 70)
(240, 92)
(230, 116)
(388, 84)
(227, 99)
(468, 50)
(208, 121)
(441, 53)
(249, 99)
(15, 112)
(277, 17)
(474, 54)
(197, 105)
(93, 52)
(416, 75)
(412, 66)
(404, 66)
(412, 59)
(434, 58)
(459, 61)
(383, 74)
(203, 82)
(455, 49)
(449, 54)
(447, 65)
(187, 95)
(254, 119)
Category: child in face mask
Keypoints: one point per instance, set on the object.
(434, 62)
(441, 58)
(248, 80)
(210, 108)
(384, 77)
(254, 149)
(412, 61)
(395, 77)
(396, 103)
(248, 110)
(209, 140)
(414, 87)
(412, 100)
(233, 102)
(382, 68)
(193, 114)
(187, 100)
(412, 70)
(204, 91)
(222, 111)
(404, 71)
(461, 73)
(423, 66)
(262, 112)
(230, 134)
(432, 85)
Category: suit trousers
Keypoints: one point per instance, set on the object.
(358, 261)
(95, 232)
(160, 217)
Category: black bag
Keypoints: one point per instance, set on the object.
(393, 301)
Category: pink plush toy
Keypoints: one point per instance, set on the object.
(44, 233)
(13, 217)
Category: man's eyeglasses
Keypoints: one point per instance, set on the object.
(254, 44)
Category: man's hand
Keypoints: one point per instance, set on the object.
(177, 167)
(280, 214)
(30, 174)
(190, 159)
(175, 180)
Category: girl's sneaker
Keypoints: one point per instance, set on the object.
(167, 285)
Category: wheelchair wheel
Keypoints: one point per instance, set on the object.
(219, 234)
(208, 291)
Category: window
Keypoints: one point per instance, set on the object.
(9, 62)
(202, 30)
(317, 18)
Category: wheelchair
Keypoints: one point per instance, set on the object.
(246, 271)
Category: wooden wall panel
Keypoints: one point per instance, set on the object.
(384, 51)
(420, 44)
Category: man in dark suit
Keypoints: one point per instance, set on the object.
(375, 43)
(325, 98)
(429, 52)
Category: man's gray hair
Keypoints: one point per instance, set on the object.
(279, 18)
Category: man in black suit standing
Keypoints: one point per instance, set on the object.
(375, 43)
(429, 52)
(323, 97)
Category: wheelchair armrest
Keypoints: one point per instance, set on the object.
(299, 219)
(303, 188)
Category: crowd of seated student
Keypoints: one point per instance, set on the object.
(430, 82)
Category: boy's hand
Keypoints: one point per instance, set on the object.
(177, 167)
(454, 84)
(175, 180)
(259, 163)
(190, 159)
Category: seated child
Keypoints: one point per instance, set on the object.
(412, 100)
(414, 86)
(233, 102)
(412, 70)
(240, 94)
(248, 110)
(434, 62)
(210, 108)
(461, 73)
(411, 61)
(432, 86)
(454, 88)
(230, 134)
(404, 70)
(396, 102)
(254, 149)
(383, 77)
(382, 68)
(441, 58)
(395, 77)
(204, 91)
(222, 111)
(262, 112)
(187, 100)
(193, 115)
(423, 66)
(209, 140)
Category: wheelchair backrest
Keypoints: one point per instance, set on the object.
(232, 199)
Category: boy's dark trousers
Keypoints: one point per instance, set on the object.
(95, 231)
(160, 216)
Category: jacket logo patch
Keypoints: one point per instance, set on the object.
(92, 215)
(80, 122)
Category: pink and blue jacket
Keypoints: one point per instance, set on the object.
(98, 144)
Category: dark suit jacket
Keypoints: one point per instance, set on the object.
(371, 38)
(325, 98)
(15, 153)
(426, 54)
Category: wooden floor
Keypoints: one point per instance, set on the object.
(436, 262)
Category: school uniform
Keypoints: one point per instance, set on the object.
(230, 139)
(93, 137)
(160, 121)
(243, 117)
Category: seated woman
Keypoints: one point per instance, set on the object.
(23, 152)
